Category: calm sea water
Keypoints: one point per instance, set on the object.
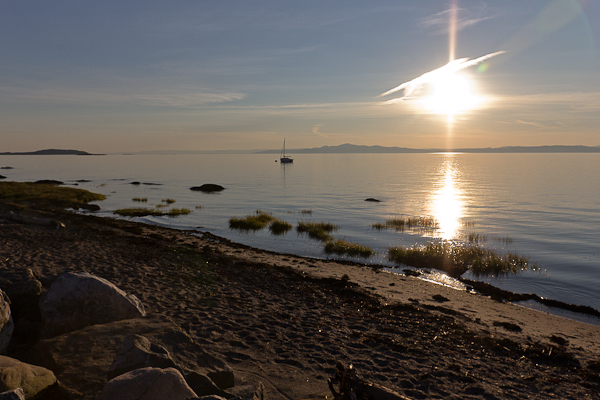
(545, 206)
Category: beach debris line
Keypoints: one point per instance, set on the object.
(353, 387)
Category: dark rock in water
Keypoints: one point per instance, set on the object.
(48, 182)
(82, 180)
(7, 167)
(136, 183)
(152, 184)
(373, 200)
(2, 177)
(89, 207)
(208, 188)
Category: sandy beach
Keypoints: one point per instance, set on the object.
(285, 320)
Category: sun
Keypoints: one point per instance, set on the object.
(449, 94)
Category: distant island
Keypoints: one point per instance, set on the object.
(51, 152)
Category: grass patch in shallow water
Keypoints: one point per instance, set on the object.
(140, 199)
(279, 227)
(45, 194)
(168, 201)
(402, 224)
(254, 222)
(456, 260)
(317, 230)
(341, 247)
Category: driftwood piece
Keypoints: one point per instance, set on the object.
(353, 387)
(33, 220)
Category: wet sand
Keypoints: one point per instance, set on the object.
(285, 320)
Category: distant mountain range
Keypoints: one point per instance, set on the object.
(352, 148)
(52, 152)
(343, 149)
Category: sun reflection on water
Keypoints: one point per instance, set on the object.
(446, 202)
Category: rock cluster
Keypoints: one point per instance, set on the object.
(84, 338)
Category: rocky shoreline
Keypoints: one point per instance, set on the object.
(280, 322)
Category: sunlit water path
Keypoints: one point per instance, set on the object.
(545, 206)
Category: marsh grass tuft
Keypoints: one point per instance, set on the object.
(254, 222)
(140, 199)
(504, 239)
(341, 247)
(175, 212)
(45, 194)
(476, 238)
(279, 227)
(168, 201)
(456, 260)
(306, 212)
(317, 230)
(411, 223)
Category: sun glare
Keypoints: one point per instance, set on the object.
(451, 94)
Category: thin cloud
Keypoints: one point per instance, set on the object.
(541, 125)
(438, 22)
(431, 76)
(165, 98)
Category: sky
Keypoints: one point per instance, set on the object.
(125, 76)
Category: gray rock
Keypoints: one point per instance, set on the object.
(15, 394)
(136, 352)
(32, 379)
(77, 300)
(148, 384)
(20, 285)
(208, 397)
(95, 346)
(204, 386)
(6, 323)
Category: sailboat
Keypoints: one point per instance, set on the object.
(284, 159)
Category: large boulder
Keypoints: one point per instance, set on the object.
(78, 299)
(82, 359)
(6, 323)
(148, 384)
(136, 352)
(32, 379)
